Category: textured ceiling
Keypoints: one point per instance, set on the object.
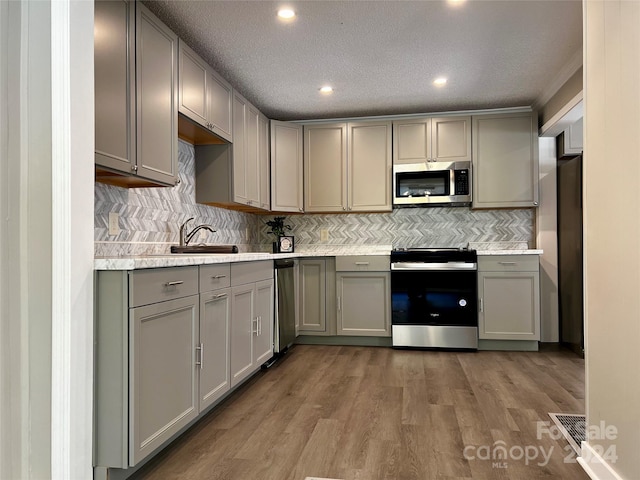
(381, 56)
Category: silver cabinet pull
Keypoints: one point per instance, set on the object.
(362, 263)
(256, 330)
(481, 305)
(508, 263)
(220, 295)
(215, 277)
(200, 355)
(173, 284)
(260, 325)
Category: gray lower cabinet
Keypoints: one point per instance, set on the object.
(316, 298)
(252, 318)
(169, 343)
(215, 319)
(163, 380)
(509, 297)
(136, 92)
(363, 296)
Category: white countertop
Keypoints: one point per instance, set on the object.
(529, 251)
(179, 260)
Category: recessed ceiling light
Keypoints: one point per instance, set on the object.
(286, 13)
(326, 90)
(456, 3)
(440, 81)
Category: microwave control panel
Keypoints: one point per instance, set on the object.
(461, 179)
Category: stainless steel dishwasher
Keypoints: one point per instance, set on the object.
(284, 331)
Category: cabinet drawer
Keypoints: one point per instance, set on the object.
(159, 284)
(250, 272)
(364, 263)
(508, 263)
(213, 277)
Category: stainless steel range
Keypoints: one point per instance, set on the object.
(434, 296)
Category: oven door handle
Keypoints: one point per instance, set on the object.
(442, 266)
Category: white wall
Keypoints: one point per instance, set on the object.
(46, 239)
(612, 230)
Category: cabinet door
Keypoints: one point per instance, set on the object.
(363, 303)
(157, 98)
(325, 167)
(219, 93)
(509, 305)
(263, 339)
(114, 65)
(192, 85)
(263, 160)
(286, 167)
(505, 160)
(240, 194)
(243, 327)
(252, 161)
(412, 141)
(312, 295)
(451, 139)
(215, 316)
(162, 373)
(369, 170)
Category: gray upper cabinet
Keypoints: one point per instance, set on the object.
(237, 175)
(432, 139)
(505, 160)
(157, 98)
(136, 71)
(325, 167)
(204, 96)
(263, 162)
(115, 107)
(347, 167)
(286, 167)
(369, 167)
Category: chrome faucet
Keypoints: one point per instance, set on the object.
(185, 237)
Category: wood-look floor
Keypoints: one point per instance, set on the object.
(369, 413)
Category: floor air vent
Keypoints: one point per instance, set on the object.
(572, 427)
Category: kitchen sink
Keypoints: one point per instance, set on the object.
(204, 249)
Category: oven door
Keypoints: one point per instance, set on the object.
(447, 298)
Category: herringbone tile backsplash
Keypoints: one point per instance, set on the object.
(150, 220)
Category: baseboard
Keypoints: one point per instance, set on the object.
(595, 466)
(509, 345)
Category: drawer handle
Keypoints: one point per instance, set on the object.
(362, 263)
(215, 277)
(173, 284)
(508, 263)
(220, 295)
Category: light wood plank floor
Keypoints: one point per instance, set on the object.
(369, 413)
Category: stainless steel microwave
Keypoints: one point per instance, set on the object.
(432, 184)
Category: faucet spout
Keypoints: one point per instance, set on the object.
(185, 237)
